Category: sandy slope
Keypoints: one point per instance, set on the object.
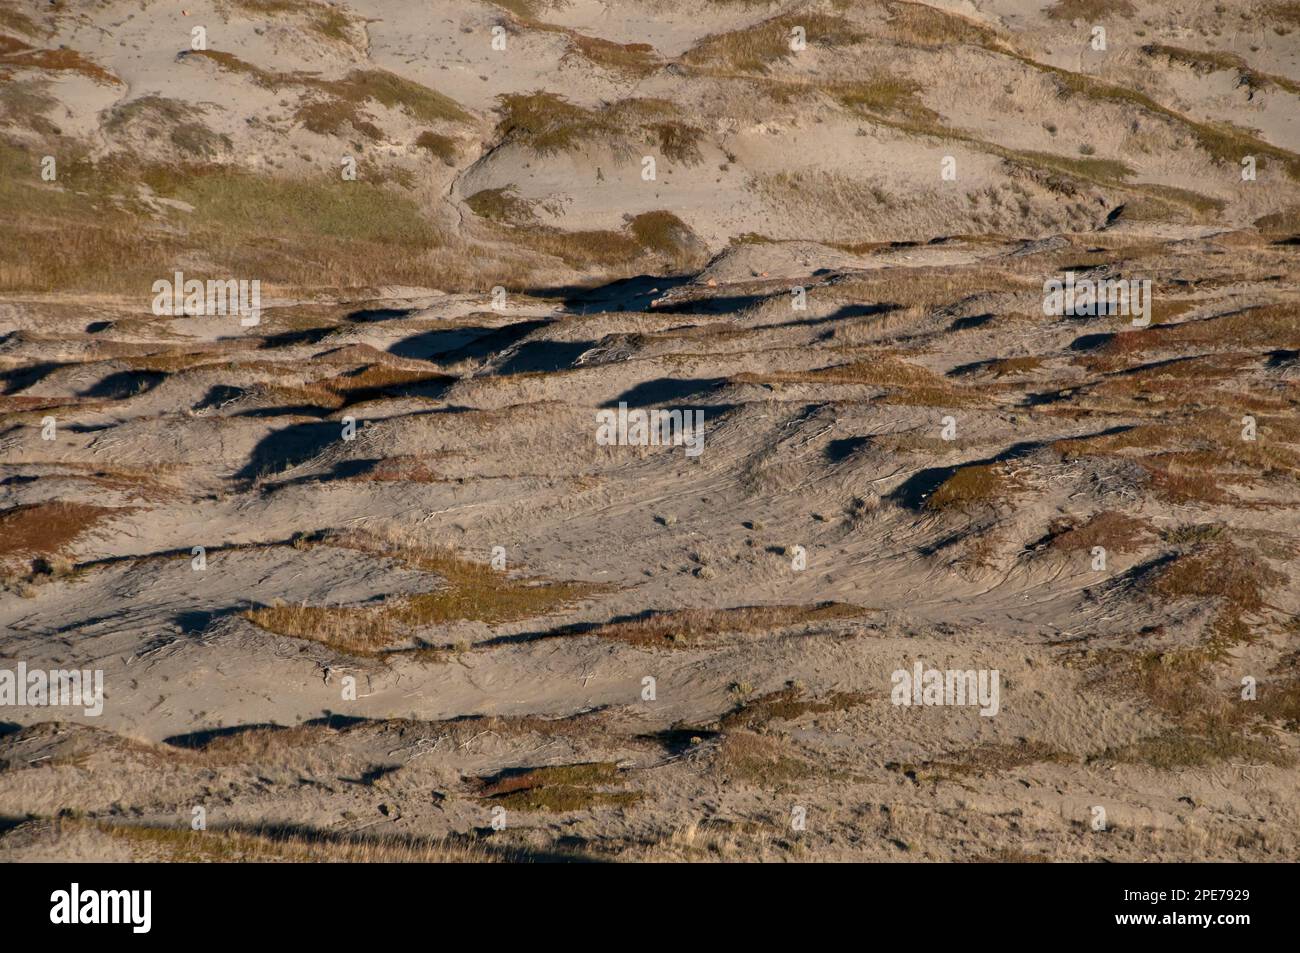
(335, 564)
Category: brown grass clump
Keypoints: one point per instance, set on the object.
(158, 115)
(439, 146)
(664, 233)
(636, 59)
(758, 759)
(884, 95)
(19, 22)
(326, 19)
(1114, 530)
(261, 745)
(388, 89)
(1196, 459)
(331, 103)
(905, 383)
(507, 782)
(335, 103)
(45, 529)
(881, 372)
(1178, 380)
(1221, 570)
(1177, 684)
(15, 54)
(1223, 141)
(687, 628)
(182, 845)
(658, 233)
(404, 468)
(549, 124)
(1265, 326)
(927, 289)
(755, 49)
(1090, 10)
(472, 592)
(501, 205)
(1209, 61)
(558, 788)
(1014, 366)
(1210, 726)
(923, 25)
(1279, 701)
(327, 117)
(1283, 222)
(787, 705)
(1176, 748)
(296, 232)
(233, 64)
(975, 485)
(375, 381)
(1236, 578)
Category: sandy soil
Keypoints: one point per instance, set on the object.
(436, 616)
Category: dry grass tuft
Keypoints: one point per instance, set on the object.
(975, 485)
(502, 205)
(328, 20)
(1115, 531)
(44, 530)
(1091, 10)
(182, 845)
(1235, 578)
(1209, 61)
(759, 759)
(904, 383)
(558, 788)
(1177, 748)
(787, 705)
(634, 59)
(691, 628)
(549, 124)
(471, 592)
(756, 49)
(15, 54)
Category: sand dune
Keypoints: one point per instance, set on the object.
(364, 578)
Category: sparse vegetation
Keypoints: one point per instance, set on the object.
(325, 19)
(469, 591)
(439, 146)
(501, 205)
(17, 55)
(1116, 531)
(45, 530)
(759, 759)
(269, 844)
(974, 485)
(787, 704)
(1090, 10)
(1176, 749)
(549, 124)
(760, 47)
(678, 690)
(695, 627)
(558, 788)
